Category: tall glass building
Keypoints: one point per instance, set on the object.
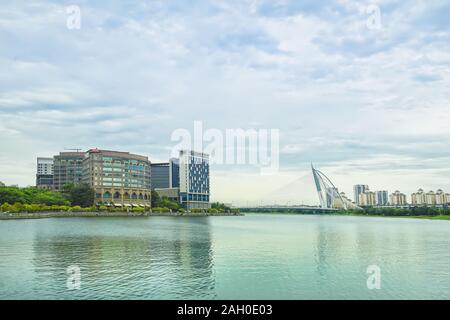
(67, 168)
(174, 173)
(357, 190)
(194, 180)
(118, 178)
(382, 198)
(160, 175)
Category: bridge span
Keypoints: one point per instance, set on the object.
(289, 209)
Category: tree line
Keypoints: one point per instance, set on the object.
(72, 195)
(81, 197)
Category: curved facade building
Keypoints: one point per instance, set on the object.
(118, 178)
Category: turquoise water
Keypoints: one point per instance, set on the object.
(252, 257)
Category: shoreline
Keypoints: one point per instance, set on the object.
(45, 215)
(434, 217)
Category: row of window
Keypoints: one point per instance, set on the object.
(195, 197)
(117, 195)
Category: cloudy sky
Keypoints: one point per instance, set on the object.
(366, 100)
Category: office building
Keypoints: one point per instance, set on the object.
(194, 180)
(397, 199)
(174, 172)
(367, 198)
(118, 178)
(166, 175)
(67, 169)
(382, 198)
(44, 173)
(357, 190)
(160, 173)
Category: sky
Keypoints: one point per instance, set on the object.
(365, 97)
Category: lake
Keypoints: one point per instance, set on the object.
(257, 256)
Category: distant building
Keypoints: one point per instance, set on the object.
(44, 173)
(118, 178)
(382, 198)
(440, 198)
(2, 184)
(332, 194)
(67, 168)
(367, 198)
(398, 199)
(160, 173)
(174, 173)
(357, 190)
(418, 198)
(430, 198)
(194, 180)
(166, 175)
(338, 203)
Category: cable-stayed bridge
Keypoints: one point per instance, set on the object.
(330, 199)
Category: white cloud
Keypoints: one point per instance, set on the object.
(339, 92)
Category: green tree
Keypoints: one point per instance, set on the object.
(156, 199)
(220, 207)
(80, 195)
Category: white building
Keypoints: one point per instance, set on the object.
(418, 198)
(430, 198)
(358, 189)
(194, 180)
(367, 198)
(397, 199)
(44, 173)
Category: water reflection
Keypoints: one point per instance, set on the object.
(256, 256)
(169, 258)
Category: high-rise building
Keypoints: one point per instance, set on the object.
(418, 198)
(194, 180)
(397, 199)
(357, 190)
(160, 173)
(67, 169)
(44, 173)
(118, 178)
(440, 197)
(382, 198)
(174, 173)
(367, 198)
(430, 198)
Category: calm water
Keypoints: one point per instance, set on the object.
(251, 257)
